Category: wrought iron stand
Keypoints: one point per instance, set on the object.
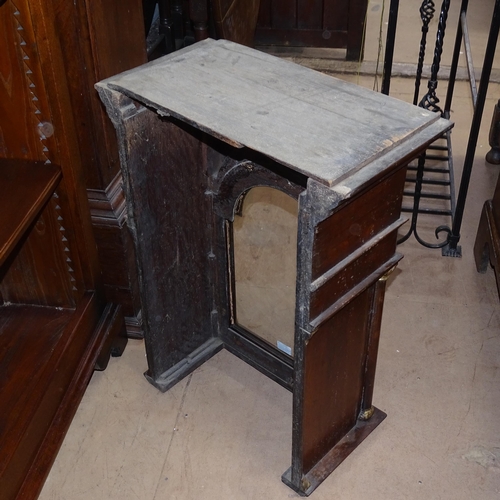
(441, 151)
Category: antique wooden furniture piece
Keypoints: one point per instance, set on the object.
(200, 128)
(322, 23)
(55, 326)
(52, 55)
(487, 245)
(56, 321)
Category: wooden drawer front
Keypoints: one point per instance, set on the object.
(361, 267)
(356, 223)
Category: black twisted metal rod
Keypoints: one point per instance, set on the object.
(416, 202)
(430, 101)
(427, 10)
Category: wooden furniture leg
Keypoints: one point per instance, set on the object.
(198, 10)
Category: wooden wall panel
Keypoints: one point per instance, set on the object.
(313, 23)
(310, 14)
(336, 14)
(284, 14)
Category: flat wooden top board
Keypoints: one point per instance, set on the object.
(318, 125)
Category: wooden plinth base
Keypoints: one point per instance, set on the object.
(335, 456)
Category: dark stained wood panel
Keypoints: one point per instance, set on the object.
(236, 19)
(173, 256)
(41, 272)
(47, 354)
(32, 353)
(39, 376)
(24, 112)
(264, 19)
(310, 14)
(108, 36)
(357, 270)
(24, 190)
(333, 379)
(336, 14)
(284, 14)
(313, 23)
(358, 221)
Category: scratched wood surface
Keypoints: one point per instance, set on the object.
(306, 120)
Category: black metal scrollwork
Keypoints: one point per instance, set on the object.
(427, 11)
(430, 101)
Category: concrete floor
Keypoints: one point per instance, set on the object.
(225, 431)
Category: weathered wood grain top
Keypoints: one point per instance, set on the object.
(318, 125)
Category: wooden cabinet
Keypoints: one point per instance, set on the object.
(56, 320)
(198, 130)
(313, 23)
(53, 53)
(487, 244)
(55, 327)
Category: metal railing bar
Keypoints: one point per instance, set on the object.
(433, 196)
(427, 211)
(468, 58)
(430, 182)
(431, 170)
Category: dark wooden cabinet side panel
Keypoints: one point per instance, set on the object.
(41, 272)
(59, 134)
(172, 236)
(32, 352)
(66, 374)
(118, 269)
(117, 31)
(333, 368)
(27, 122)
(109, 36)
(113, 267)
(495, 201)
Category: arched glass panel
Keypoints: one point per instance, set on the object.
(265, 259)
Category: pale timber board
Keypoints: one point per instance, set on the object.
(318, 125)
